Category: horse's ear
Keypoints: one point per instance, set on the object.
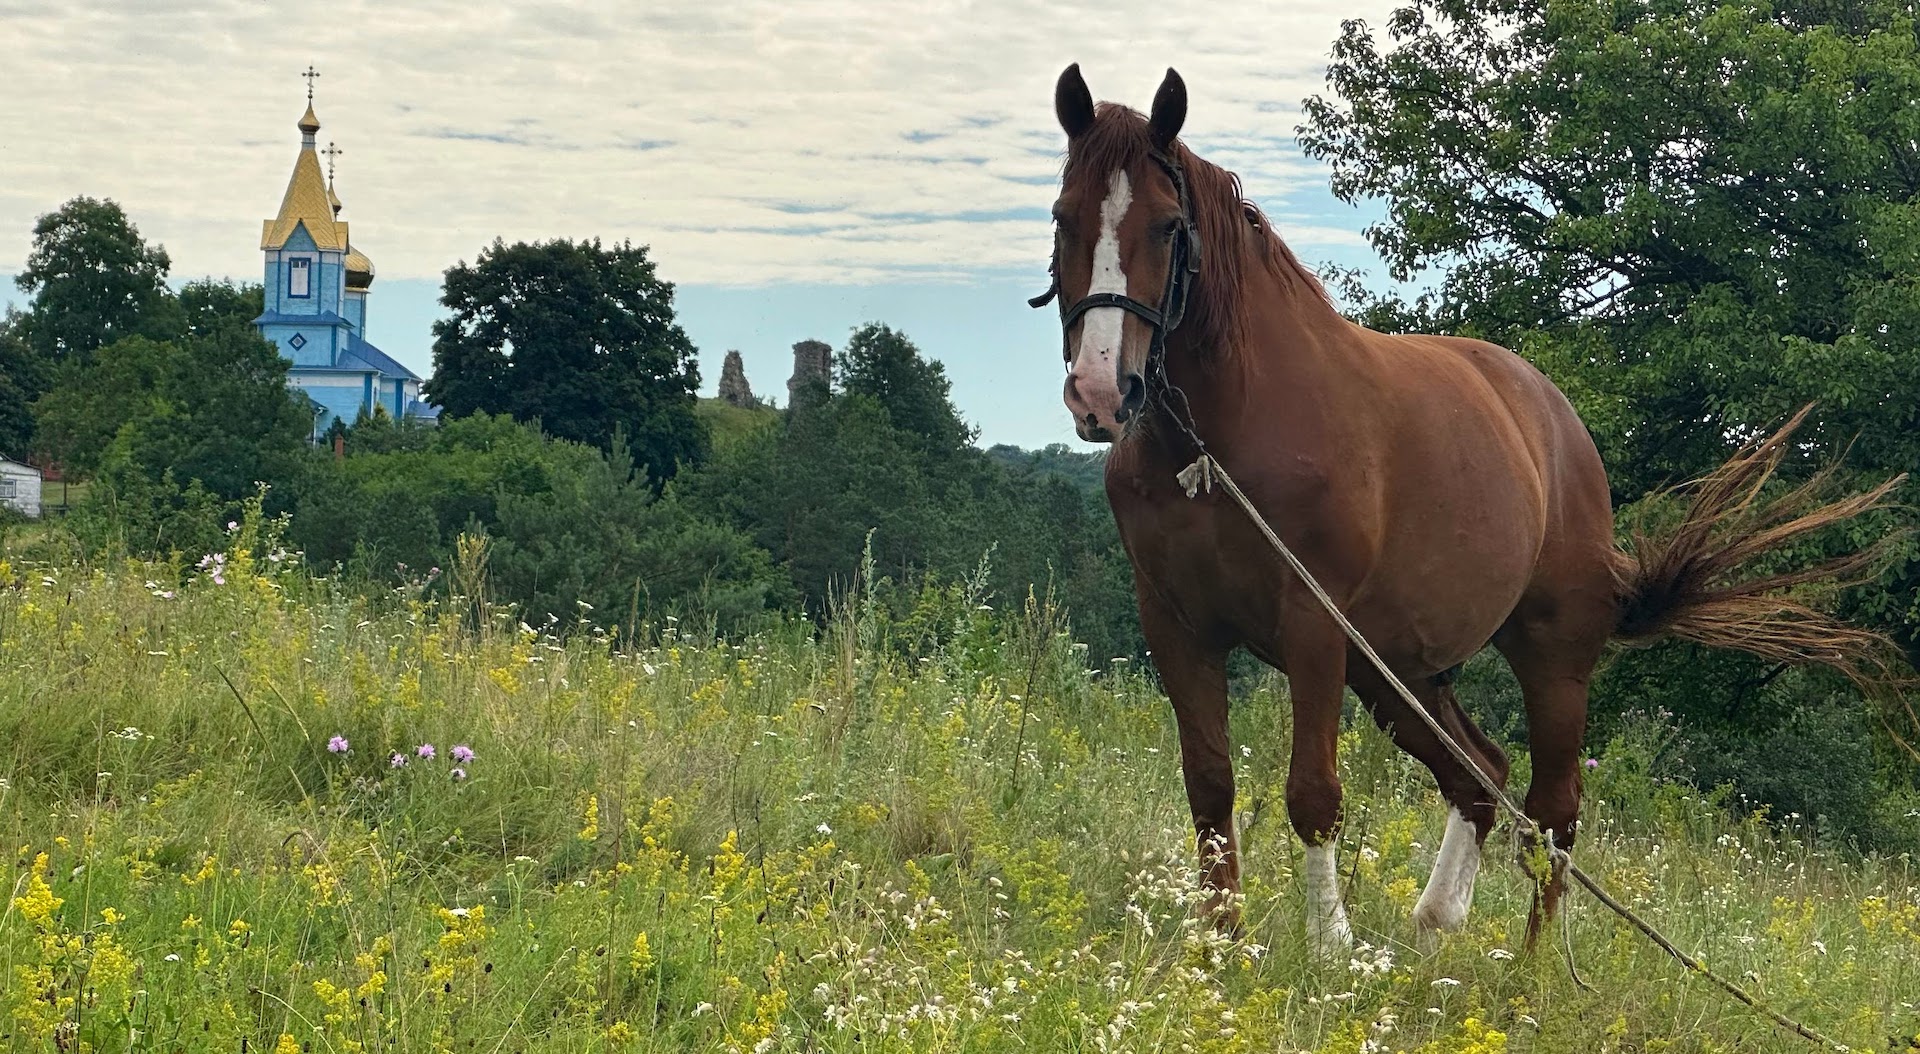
(1072, 102)
(1169, 110)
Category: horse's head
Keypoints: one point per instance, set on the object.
(1123, 252)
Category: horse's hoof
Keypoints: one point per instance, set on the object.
(1435, 913)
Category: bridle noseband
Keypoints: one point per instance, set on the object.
(1182, 264)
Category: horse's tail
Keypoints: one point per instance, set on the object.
(1713, 576)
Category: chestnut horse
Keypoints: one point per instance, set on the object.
(1442, 490)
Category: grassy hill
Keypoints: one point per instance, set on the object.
(222, 827)
(729, 424)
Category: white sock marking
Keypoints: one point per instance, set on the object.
(1449, 893)
(1100, 328)
(1328, 935)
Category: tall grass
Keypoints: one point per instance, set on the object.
(933, 833)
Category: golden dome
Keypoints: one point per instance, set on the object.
(309, 124)
(359, 270)
(308, 201)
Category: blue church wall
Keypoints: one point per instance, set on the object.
(342, 395)
(356, 311)
(316, 346)
(326, 278)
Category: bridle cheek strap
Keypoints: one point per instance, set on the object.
(1182, 264)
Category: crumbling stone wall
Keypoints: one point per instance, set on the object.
(733, 382)
(812, 371)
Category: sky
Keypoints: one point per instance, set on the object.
(797, 167)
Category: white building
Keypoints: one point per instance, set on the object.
(19, 487)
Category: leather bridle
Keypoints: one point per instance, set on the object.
(1182, 265)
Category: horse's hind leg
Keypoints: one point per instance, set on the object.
(1471, 813)
(1553, 659)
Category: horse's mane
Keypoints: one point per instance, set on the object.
(1218, 311)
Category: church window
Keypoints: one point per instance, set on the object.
(297, 272)
(299, 341)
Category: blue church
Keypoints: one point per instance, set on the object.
(316, 304)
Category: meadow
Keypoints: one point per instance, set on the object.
(244, 809)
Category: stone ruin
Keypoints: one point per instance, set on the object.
(733, 383)
(812, 365)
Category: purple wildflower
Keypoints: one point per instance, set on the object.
(399, 761)
(233, 525)
(458, 774)
(425, 750)
(1592, 763)
(337, 745)
(219, 579)
(463, 753)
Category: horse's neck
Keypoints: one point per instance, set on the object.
(1234, 395)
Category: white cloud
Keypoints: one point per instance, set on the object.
(748, 142)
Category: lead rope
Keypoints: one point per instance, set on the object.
(1203, 475)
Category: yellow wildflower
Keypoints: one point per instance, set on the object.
(590, 818)
(38, 903)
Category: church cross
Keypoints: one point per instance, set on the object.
(310, 75)
(332, 152)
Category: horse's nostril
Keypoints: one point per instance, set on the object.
(1135, 397)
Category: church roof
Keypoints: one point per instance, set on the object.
(281, 318)
(374, 357)
(359, 269)
(307, 200)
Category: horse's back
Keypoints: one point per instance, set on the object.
(1536, 411)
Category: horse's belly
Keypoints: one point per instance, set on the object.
(1423, 606)
(1442, 585)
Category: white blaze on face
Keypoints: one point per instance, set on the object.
(1095, 362)
(1328, 935)
(1449, 893)
(1100, 333)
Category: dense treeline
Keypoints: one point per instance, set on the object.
(577, 451)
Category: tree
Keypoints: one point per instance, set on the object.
(93, 280)
(600, 546)
(216, 373)
(21, 380)
(79, 418)
(207, 305)
(578, 533)
(885, 366)
(1697, 216)
(576, 336)
(812, 489)
(173, 429)
(222, 415)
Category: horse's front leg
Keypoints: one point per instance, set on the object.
(1315, 654)
(1194, 674)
